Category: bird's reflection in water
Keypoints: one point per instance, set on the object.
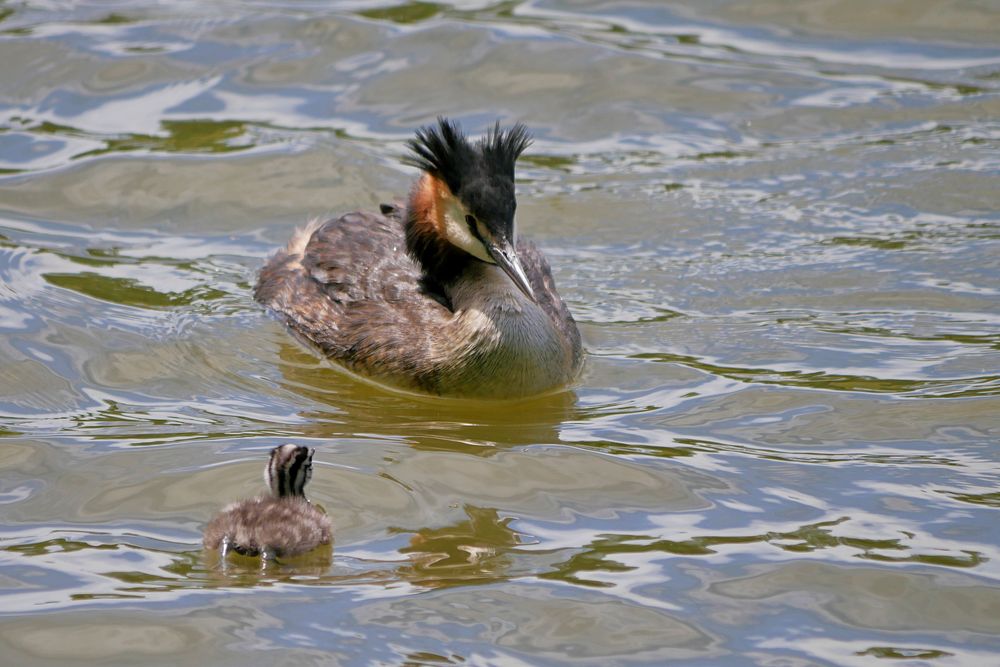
(467, 552)
(427, 423)
(235, 569)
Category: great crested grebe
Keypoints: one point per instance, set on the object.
(437, 295)
(281, 524)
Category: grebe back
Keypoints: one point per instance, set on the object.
(437, 294)
(281, 524)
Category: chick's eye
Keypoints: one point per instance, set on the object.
(470, 220)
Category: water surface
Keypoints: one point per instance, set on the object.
(776, 222)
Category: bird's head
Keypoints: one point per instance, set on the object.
(467, 191)
(288, 470)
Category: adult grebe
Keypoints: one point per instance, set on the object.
(438, 295)
(278, 525)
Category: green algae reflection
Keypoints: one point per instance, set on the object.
(182, 136)
(128, 291)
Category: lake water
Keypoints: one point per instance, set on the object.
(777, 223)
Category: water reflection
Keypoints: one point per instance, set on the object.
(357, 407)
(467, 552)
(238, 570)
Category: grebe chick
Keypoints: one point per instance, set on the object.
(437, 295)
(283, 523)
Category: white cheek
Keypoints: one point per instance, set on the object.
(458, 234)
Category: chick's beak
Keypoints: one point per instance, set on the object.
(505, 256)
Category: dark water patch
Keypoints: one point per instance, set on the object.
(406, 13)
(687, 448)
(985, 499)
(550, 162)
(128, 291)
(190, 136)
(115, 19)
(900, 653)
(880, 244)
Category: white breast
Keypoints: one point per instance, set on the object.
(503, 336)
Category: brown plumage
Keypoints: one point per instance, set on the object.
(281, 524)
(437, 294)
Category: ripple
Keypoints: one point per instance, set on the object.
(988, 385)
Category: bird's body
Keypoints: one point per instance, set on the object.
(281, 524)
(267, 525)
(425, 295)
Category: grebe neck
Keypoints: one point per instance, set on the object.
(441, 262)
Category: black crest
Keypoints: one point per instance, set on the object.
(444, 150)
